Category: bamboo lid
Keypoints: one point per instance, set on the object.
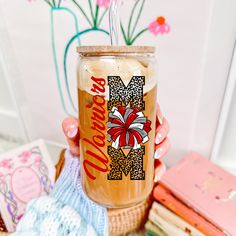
(111, 50)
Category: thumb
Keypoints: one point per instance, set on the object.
(71, 130)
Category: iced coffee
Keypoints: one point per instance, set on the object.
(117, 89)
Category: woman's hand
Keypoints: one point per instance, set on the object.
(162, 143)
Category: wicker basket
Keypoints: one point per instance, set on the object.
(121, 221)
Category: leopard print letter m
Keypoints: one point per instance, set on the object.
(128, 128)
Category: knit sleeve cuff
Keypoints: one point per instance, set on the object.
(68, 189)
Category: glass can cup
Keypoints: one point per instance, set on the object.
(117, 90)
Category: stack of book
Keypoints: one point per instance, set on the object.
(195, 197)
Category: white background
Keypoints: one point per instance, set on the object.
(193, 60)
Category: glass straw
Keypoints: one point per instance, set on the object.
(114, 21)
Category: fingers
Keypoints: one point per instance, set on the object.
(162, 144)
(162, 126)
(71, 131)
(160, 169)
(162, 131)
(162, 149)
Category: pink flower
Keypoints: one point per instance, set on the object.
(24, 156)
(159, 26)
(103, 3)
(6, 164)
(1, 174)
(37, 160)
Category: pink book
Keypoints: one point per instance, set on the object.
(26, 172)
(169, 200)
(207, 188)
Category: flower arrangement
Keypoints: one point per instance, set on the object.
(98, 9)
(95, 20)
(155, 27)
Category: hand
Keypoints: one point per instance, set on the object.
(70, 128)
(162, 143)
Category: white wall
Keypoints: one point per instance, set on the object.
(193, 64)
(216, 61)
(227, 152)
(224, 150)
(12, 131)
